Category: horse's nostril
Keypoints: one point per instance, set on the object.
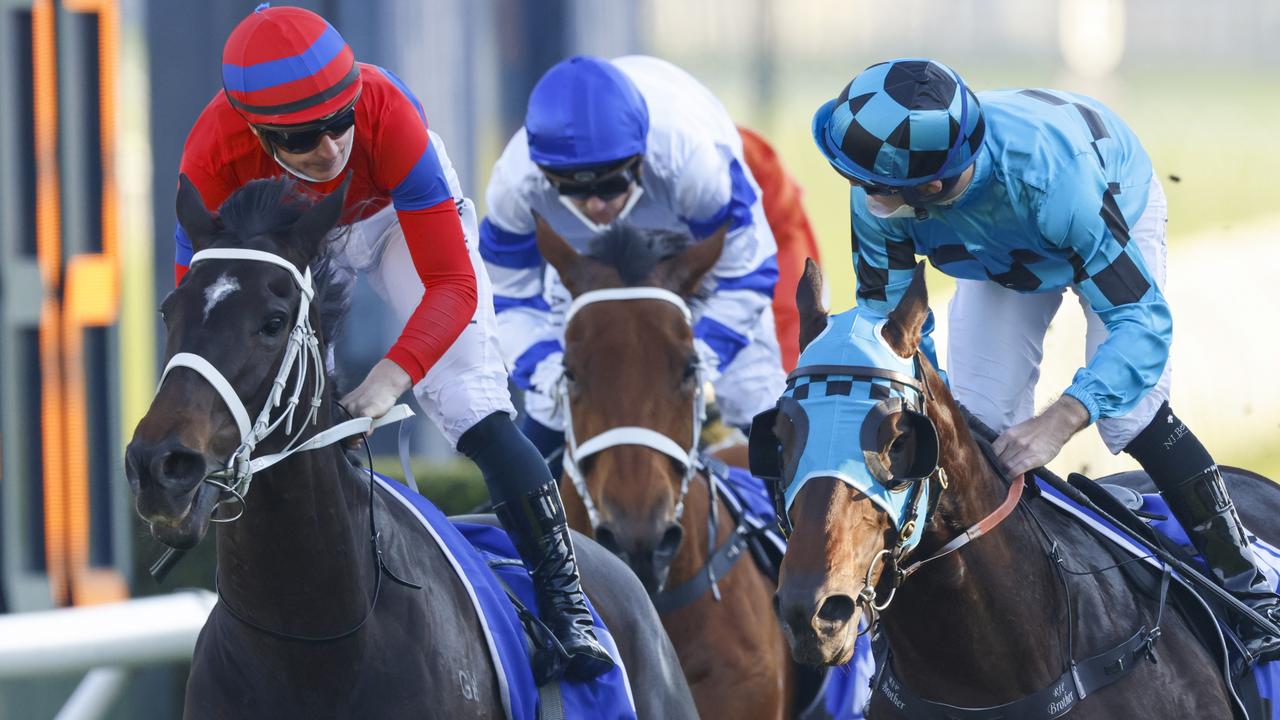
(836, 609)
(607, 539)
(670, 542)
(180, 467)
(777, 606)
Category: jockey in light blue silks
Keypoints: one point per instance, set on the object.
(634, 139)
(1021, 194)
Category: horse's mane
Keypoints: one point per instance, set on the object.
(635, 252)
(271, 207)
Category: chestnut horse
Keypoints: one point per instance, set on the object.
(632, 390)
(1006, 618)
(334, 601)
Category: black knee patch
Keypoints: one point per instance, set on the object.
(511, 465)
(1168, 450)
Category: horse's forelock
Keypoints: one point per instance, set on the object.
(634, 252)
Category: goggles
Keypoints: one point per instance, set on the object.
(605, 183)
(869, 188)
(296, 139)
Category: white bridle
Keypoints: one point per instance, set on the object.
(629, 434)
(303, 349)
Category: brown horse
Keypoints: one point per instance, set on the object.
(334, 600)
(996, 621)
(633, 390)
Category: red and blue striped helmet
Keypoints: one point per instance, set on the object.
(585, 112)
(287, 66)
(901, 123)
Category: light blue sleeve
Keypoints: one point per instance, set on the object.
(1082, 217)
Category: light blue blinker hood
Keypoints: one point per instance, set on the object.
(848, 381)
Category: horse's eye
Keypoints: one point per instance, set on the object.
(273, 326)
(690, 370)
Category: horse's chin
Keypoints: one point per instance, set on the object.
(186, 531)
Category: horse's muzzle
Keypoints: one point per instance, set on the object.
(166, 480)
(820, 626)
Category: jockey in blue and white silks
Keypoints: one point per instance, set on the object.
(634, 139)
(1022, 194)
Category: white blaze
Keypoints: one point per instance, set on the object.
(218, 291)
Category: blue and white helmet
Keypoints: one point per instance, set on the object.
(901, 124)
(585, 112)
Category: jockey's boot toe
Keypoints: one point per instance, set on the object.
(540, 534)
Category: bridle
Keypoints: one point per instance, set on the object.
(302, 351)
(576, 452)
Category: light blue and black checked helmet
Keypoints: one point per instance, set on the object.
(900, 124)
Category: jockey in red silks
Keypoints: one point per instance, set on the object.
(296, 101)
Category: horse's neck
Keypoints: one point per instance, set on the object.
(991, 610)
(299, 559)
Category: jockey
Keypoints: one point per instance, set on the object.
(634, 139)
(295, 101)
(1020, 194)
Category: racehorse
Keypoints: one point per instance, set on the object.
(632, 397)
(1002, 596)
(334, 601)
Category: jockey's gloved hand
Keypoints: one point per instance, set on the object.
(710, 360)
(377, 394)
(547, 374)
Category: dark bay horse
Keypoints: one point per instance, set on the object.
(319, 613)
(995, 621)
(632, 385)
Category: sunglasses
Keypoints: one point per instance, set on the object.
(607, 186)
(869, 188)
(297, 139)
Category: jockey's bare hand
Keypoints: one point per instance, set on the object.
(1033, 443)
(375, 397)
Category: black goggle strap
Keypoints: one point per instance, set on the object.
(585, 181)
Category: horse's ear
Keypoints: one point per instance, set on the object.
(558, 253)
(813, 316)
(311, 229)
(682, 274)
(902, 332)
(195, 220)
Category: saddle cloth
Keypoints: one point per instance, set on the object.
(837, 693)
(478, 555)
(1258, 690)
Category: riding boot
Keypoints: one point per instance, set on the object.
(528, 505)
(1204, 509)
(1166, 448)
(538, 529)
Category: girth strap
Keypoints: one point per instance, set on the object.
(1078, 682)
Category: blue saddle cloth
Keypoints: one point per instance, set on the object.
(1266, 676)
(480, 554)
(845, 690)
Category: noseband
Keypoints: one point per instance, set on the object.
(576, 452)
(303, 350)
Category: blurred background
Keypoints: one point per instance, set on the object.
(97, 96)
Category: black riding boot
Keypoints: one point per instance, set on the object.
(528, 505)
(1201, 504)
(537, 527)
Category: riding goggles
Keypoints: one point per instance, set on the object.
(869, 188)
(295, 139)
(606, 183)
